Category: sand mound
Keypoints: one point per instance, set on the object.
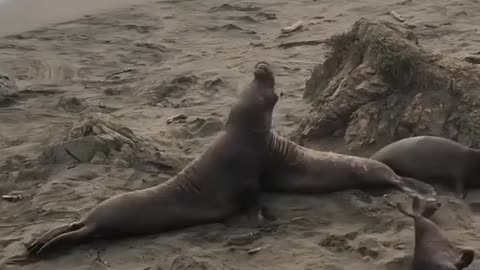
(378, 85)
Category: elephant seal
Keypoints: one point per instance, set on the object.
(433, 160)
(433, 251)
(293, 168)
(222, 181)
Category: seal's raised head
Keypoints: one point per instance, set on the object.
(257, 98)
(263, 74)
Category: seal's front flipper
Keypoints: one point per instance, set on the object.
(251, 204)
(257, 213)
(255, 216)
(267, 213)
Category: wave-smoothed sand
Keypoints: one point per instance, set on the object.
(145, 64)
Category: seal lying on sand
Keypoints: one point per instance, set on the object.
(224, 180)
(432, 250)
(433, 160)
(293, 168)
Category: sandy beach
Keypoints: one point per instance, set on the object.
(23, 15)
(138, 63)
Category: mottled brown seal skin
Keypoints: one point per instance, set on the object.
(221, 182)
(293, 168)
(433, 160)
(433, 251)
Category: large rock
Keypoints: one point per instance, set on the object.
(378, 85)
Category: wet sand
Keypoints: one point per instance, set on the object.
(145, 64)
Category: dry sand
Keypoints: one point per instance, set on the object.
(146, 63)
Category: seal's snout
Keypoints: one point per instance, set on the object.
(263, 71)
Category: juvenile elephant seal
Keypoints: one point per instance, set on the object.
(222, 181)
(432, 250)
(293, 168)
(433, 160)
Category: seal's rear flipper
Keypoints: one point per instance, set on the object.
(466, 259)
(66, 239)
(20, 260)
(417, 189)
(42, 240)
(419, 186)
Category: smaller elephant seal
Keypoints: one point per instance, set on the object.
(293, 168)
(433, 251)
(222, 181)
(433, 160)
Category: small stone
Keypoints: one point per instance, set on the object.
(99, 158)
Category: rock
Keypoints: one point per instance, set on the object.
(100, 139)
(74, 151)
(377, 85)
(99, 158)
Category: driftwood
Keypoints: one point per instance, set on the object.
(378, 85)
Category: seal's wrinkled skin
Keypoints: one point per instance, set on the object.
(433, 160)
(290, 167)
(432, 250)
(222, 181)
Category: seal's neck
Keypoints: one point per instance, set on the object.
(249, 124)
(248, 130)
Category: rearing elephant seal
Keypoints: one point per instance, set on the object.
(433, 160)
(224, 180)
(293, 168)
(432, 250)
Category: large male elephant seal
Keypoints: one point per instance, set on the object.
(433, 160)
(222, 181)
(432, 250)
(293, 168)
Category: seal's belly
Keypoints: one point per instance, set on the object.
(425, 168)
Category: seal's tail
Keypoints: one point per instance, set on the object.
(411, 185)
